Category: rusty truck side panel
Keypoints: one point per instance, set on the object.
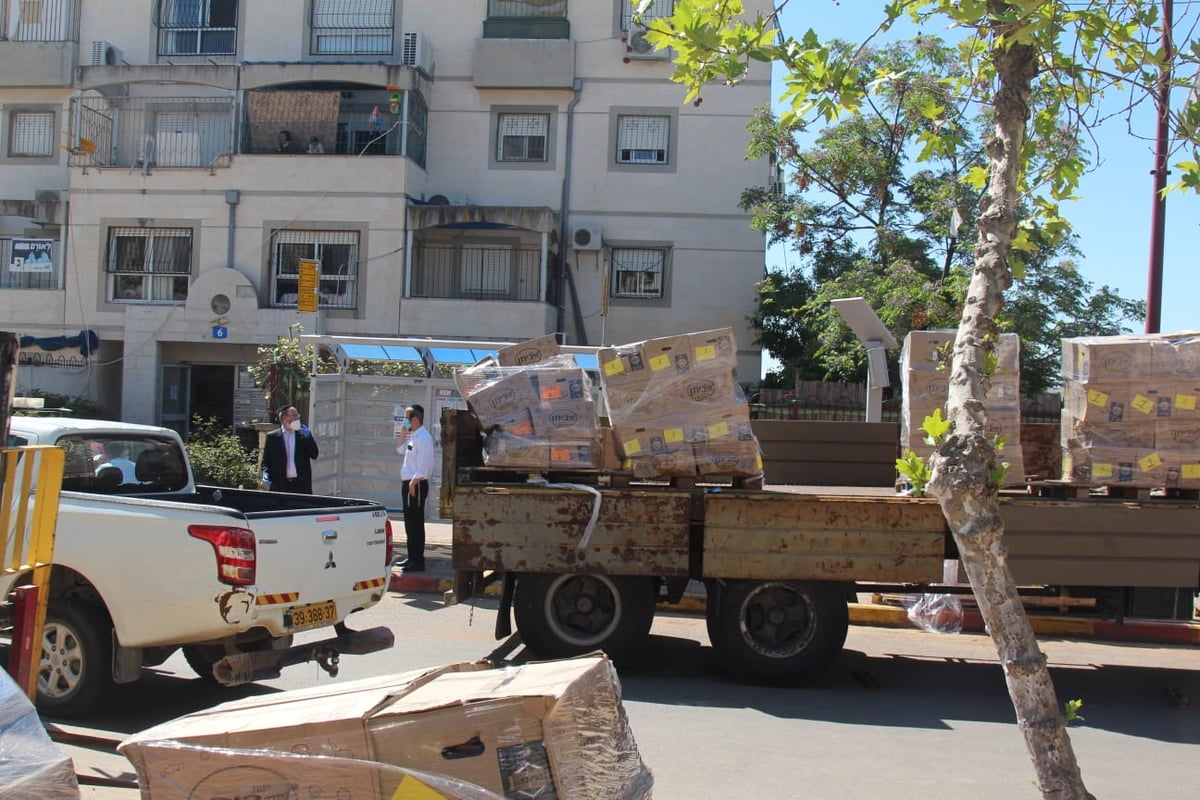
(793, 536)
(518, 529)
(1103, 542)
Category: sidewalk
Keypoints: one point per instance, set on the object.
(439, 579)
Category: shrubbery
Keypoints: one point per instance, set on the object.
(218, 456)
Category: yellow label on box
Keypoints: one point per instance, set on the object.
(1142, 403)
(706, 352)
(552, 392)
(1190, 470)
(672, 435)
(1102, 470)
(1149, 462)
(632, 448)
(1185, 402)
(1098, 398)
(660, 362)
(412, 789)
(718, 430)
(614, 367)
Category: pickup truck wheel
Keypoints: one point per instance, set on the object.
(778, 631)
(75, 670)
(203, 657)
(566, 615)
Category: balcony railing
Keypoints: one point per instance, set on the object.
(40, 20)
(526, 19)
(145, 132)
(470, 272)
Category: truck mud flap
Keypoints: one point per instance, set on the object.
(260, 665)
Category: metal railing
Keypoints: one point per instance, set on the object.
(40, 21)
(524, 8)
(27, 545)
(145, 132)
(465, 271)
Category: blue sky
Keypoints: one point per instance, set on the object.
(1112, 216)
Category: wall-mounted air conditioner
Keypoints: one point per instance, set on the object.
(639, 47)
(416, 52)
(106, 55)
(587, 237)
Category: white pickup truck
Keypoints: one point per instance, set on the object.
(146, 562)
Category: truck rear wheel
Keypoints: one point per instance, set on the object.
(75, 668)
(778, 631)
(566, 615)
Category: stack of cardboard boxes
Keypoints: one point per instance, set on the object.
(536, 406)
(925, 377)
(676, 409)
(1129, 411)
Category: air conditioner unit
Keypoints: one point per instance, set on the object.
(587, 237)
(106, 55)
(639, 47)
(416, 52)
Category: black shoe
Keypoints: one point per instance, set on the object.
(400, 562)
(415, 566)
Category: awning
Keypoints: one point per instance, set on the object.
(378, 352)
(453, 355)
(530, 218)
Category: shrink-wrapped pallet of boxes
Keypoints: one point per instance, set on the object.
(536, 408)
(925, 381)
(1130, 411)
(676, 409)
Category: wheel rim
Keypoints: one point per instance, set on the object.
(777, 620)
(583, 610)
(60, 670)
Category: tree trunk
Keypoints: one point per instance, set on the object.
(962, 466)
(10, 346)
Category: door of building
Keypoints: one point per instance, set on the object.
(176, 400)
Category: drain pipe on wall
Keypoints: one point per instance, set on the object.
(563, 276)
(232, 198)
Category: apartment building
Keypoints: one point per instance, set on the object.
(182, 181)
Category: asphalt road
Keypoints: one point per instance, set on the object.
(902, 714)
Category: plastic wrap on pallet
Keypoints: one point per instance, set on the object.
(539, 415)
(551, 729)
(676, 408)
(32, 767)
(1130, 414)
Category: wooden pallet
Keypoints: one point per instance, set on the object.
(601, 479)
(1065, 490)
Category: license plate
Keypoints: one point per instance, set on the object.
(316, 615)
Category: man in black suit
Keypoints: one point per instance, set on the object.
(288, 453)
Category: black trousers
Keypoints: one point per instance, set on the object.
(414, 521)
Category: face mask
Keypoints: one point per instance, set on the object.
(406, 423)
(294, 424)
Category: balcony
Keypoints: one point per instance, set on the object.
(39, 42)
(199, 132)
(466, 271)
(527, 19)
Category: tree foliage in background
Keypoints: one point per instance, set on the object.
(1037, 68)
(218, 456)
(284, 371)
(877, 206)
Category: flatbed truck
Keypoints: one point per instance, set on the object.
(585, 558)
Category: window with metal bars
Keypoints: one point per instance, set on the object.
(149, 265)
(32, 134)
(352, 27)
(521, 137)
(527, 8)
(336, 254)
(643, 139)
(486, 270)
(197, 27)
(637, 272)
(656, 10)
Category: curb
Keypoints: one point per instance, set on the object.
(1129, 630)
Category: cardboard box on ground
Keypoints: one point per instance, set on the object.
(1130, 414)
(551, 730)
(673, 408)
(925, 384)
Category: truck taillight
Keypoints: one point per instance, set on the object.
(236, 552)
(390, 549)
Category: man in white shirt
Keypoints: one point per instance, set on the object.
(118, 456)
(416, 445)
